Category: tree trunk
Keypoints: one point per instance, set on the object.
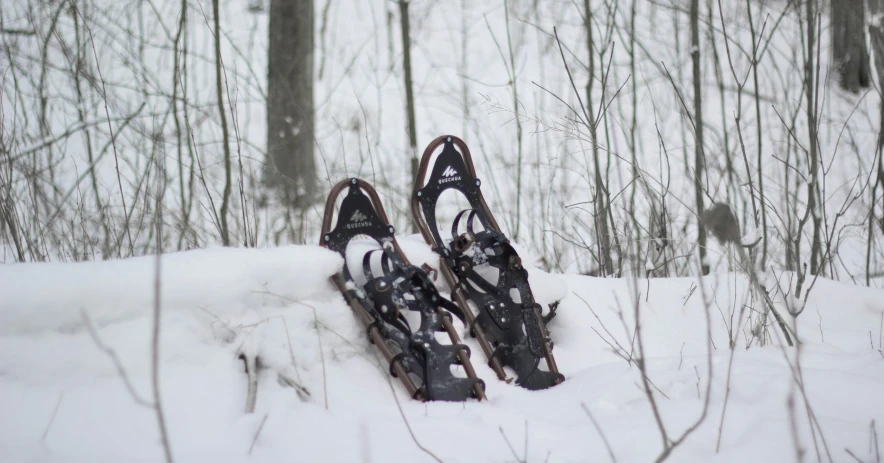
(600, 206)
(811, 77)
(290, 164)
(876, 32)
(409, 93)
(699, 155)
(225, 134)
(849, 54)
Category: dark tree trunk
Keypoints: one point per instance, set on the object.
(812, 92)
(290, 165)
(600, 197)
(699, 154)
(409, 92)
(849, 53)
(876, 33)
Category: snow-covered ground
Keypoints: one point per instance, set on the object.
(63, 399)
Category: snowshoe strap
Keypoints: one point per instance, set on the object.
(500, 316)
(456, 224)
(385, 263)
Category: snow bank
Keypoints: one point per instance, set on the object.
(51, 296)
(277, 303)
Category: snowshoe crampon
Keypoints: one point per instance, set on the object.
(391, 287)
(508, 325)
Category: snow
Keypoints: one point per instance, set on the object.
(750, 237)
(278, 305)
(39, 297)
(324, 394)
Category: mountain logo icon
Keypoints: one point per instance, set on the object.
(449, 172)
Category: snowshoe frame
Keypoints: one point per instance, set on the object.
(512, 333)
(412, 355)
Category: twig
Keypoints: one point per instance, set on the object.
(798, 381)
(672, 444)
(109, 127)
(526, 441)
(793, 426)
(321, 357)
(599, 430)
(680, 357)
(157, 307)
(727, 383)
(852, 455)
(291, 352)
(251, 364)
(258, 432)
(880, 331)
(58, 404)
(202, 176)
(89, 169)
(117, 363)
(520, 460)
(318, 338)
(619, 349)
(585, 120)
(18, 31)
(408, 426)
(643, 370)
(875, 441)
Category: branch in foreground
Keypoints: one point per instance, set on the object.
(408, 426)
(602, 434)
(117, 363)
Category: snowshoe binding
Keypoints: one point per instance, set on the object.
(509, 325)
(392, 286)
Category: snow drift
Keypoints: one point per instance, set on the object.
(64, 400)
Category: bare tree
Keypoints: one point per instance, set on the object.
(409, 92)
(876, 32)
(219, 87)
(811, 73)
(699, 155)
(290, 119)
(849, 54)
(600, 197)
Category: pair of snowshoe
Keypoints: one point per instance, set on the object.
(507, 322)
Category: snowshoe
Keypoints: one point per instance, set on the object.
(508, 325)
(392, 286)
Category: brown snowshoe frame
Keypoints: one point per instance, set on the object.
(511, 333)
(380, 302)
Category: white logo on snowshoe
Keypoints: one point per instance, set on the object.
(358, 220)
(450, 175)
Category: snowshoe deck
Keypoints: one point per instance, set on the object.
(415, 356)
(508, 325)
